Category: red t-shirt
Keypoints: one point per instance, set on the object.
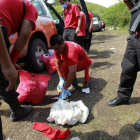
(83, 24)
(90, 16)
(103, 23)
(71, 14)
(73, 53)
(11, 13)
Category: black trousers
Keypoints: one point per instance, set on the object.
(70, 35)
(87, 42)
(80, 41)
(11, 96)
(1, 136)
(130, 67)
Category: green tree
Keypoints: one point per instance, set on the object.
(117, 15)
(94, 8)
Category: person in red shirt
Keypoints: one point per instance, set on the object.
(14, 19)
(81, 34)
(87, 42)
(103, 25)
(72, 20)
(70, 58)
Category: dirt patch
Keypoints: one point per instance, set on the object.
(103, 123)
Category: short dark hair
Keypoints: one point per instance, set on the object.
(79, 8)
(56, 39)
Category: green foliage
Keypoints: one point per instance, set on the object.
(117, 15)
(94, 8)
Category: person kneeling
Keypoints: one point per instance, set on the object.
(70, 58)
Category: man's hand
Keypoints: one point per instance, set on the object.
(64, 94)
(17, 67)
(63, 10)
(10, 75)
(77, 30)
(89, 30)
(61, 83)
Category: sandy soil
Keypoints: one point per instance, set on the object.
(103, 123)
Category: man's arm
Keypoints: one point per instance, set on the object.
(71, 76)
(7, 67)
(58, 63)
(4, 56)
(79, 24)
(91, 24)
(63, 12)
(24, 35)
(22, 39)
(129, 4)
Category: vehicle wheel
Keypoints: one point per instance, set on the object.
(33, 60)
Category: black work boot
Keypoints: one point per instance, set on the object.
(74, 86)
(117, 101)
(137, 125)
(19, 112)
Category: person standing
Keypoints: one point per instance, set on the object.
(70, 58)
(131, 62)
(72, 20)
(87, 42)
(7, 69)
(81, 34)
(18, 16)
(103, 25)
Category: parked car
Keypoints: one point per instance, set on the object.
(96, 24)
(39, 39)
(49, 22)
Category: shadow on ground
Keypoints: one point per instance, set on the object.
(102, 37)
(101, 64)
(94, 54)
(127, 132)
(96, 39)
(90, 100)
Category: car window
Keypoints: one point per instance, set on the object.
(95, 19)
(39, 8)
(55, 18)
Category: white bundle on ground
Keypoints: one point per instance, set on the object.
(63, 112)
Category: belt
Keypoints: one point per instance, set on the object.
(70, 28)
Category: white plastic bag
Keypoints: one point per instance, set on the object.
(63, 112)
